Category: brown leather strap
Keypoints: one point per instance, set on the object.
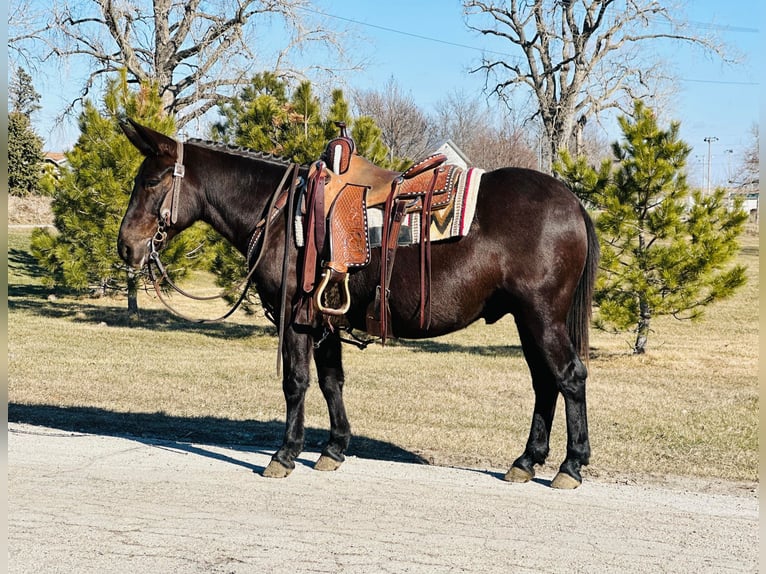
(430, 162)
(290, 202)
(393, 215)
(425, 254)
(314, 219)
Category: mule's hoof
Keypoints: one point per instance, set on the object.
(276, 470)
(517, 474)
(563, 481)
(326, 463)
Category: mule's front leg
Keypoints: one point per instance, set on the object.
(295, 382)
(330, 371)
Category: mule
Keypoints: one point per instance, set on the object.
(531, 252)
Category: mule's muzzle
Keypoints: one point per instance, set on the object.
(133, 254)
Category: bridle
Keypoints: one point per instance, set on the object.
(168, 215)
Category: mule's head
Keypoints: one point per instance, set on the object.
(150, 200)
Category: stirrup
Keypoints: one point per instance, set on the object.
(343, 309)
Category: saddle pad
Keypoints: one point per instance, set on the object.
(451, 221)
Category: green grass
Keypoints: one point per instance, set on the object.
(689, 407)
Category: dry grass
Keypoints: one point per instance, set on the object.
(31, 210)
(690, 407)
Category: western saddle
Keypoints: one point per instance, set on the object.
(341, 186)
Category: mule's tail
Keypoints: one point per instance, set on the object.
(578, 320)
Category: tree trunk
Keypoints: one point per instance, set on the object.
(558, 135)
(133, 314)
(643, 328)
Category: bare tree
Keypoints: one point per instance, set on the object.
(27, 27)
(576, 57)
(490, 138)
(506, 145)
(406, 130)
(194, 51)
(461, 117)
(750, 167)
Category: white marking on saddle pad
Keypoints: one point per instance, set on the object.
(465, 201)
(464, 207)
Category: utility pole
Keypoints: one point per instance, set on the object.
(709, 140)
(729, 175)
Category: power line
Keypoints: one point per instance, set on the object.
(724, 27)
(518, 59)
(724, 82)
(412, 34)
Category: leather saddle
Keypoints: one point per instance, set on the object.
(342, 185)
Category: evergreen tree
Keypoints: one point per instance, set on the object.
(338, 112)
(22, 96)
(93, 194)
(304, 137)
(658, 255)
(267, 118)
(25, 156)
(25, 147)
(256, 118)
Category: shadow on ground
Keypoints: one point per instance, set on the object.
(32, 298)
(181, 432)
(435, 346)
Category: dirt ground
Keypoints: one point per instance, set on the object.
(94, 503)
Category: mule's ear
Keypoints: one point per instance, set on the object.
(148, 141)
(137, 138)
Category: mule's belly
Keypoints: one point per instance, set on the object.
(463, 288)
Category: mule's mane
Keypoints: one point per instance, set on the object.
(241, 151)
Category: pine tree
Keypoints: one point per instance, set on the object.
(22, 95)
(93, 194)
(25, 156)
(25, 147)
(664, 249)
(339, 112)
(257, 117)
(304, 137)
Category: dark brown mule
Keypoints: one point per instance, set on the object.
(531, 252)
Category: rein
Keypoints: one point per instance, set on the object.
(278, 200)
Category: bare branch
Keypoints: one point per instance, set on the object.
(576, 56)
(196, 53)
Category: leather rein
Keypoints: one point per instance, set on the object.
(168, 215)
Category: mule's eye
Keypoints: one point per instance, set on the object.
(154, 182)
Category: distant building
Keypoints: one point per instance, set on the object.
(750, 194)
(54, 161)
(454, 154)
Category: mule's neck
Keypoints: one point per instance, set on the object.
(235, 192)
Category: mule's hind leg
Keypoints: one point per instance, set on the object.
(578, 446)
(295, 382)
(329, 366)
(555, 369)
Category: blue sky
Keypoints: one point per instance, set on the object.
(427, 48)
(712, 99)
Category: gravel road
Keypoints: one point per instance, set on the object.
(82, 503)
